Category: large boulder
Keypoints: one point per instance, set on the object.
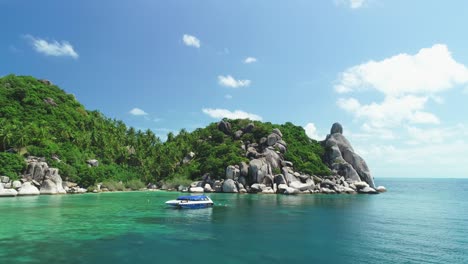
(251, 153)
(249, 128)
(28, 189)
(224, 127)
(48, 187)
(277, 132)
(257, 187)
(244, 169)
(238, 134)
(53, 183)
(280, 147)
(289, 177)
(229, 186)
(272, 139)
(336, 128)
(208, 188)
(36, 169)
(16, 184)
(196, 189)
(258, 169)
(4, 179)
(232, 172)
(7, 192)
(381, 189)
(302, 186)
(367, 190)
(341, 157)
(279, 179)
(272, 158)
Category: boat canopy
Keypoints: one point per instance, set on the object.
(193, 198)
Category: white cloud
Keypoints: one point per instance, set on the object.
(250, 60)
(311, 131)
(156, 119)
(450, 153)
(224, 113)
(138, 112)
(53, 48)
(369, 133)
(391, 112)
(228, 96)
(190, 40)
(435, 135)
(406, 81)
(431, 70)
(229, 81)
(356, 3)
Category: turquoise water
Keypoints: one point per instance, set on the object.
(417, 221)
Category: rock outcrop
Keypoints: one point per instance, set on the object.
(225, 127)
(7, 192)
(342, 159)
(28, 189)
(37, 179)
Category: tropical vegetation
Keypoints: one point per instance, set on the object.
(39, 119)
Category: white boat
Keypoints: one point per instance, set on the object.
(191, 202)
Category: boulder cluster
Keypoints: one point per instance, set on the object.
(37, 179)
(269, 173)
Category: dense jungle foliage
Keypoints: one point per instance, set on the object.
(40, 119)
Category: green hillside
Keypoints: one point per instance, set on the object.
(40, 119)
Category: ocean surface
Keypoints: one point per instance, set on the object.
(416, 221)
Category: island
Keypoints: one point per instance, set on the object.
(50, 144)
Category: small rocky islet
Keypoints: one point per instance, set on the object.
(266, 172)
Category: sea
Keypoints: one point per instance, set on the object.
(416, 221)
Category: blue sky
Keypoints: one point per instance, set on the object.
(394, 73)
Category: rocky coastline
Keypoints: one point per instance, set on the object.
(349, 172)
(267, 172)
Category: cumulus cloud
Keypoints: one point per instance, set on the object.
(138, 112)
(229, 81)
(311, 131)
(406, 81)
(224, 113)
(249, 60)
(52, 48)
(190, 40)
(438, 135)
(431, 70)
(391, 112)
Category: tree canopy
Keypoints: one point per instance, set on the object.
(40, 119)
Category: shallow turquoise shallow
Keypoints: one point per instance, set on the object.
(418, 221)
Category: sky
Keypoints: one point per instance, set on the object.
(393, 73)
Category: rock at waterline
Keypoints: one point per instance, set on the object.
(229, 186)
(7, 192)
(341, 157)
(28, 189)
(381, 189)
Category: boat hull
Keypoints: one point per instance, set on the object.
(189, 204)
